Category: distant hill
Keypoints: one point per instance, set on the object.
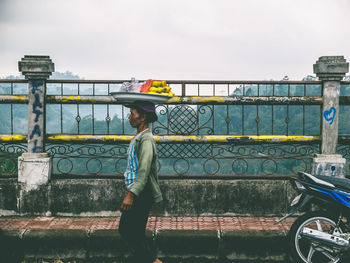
(65, 75)
(55, 75)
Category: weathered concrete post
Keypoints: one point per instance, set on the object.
(331, 70)
(34, 167)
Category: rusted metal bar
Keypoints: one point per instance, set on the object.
(184, 139)
(171, 138)
(89, 138)
(234, 138)
(279, 82)
(81, 99)
(239, 100)
(214, 100)
(14, 99)
(13, 138)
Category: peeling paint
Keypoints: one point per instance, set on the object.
(14, 99)
(82, 138)
(80, 99)
(12, 138)
(174, 100)
(188, 138)
(274, 138)
(234, 138)
(174, 138)
(245, 100)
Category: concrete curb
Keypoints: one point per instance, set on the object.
(37, 245)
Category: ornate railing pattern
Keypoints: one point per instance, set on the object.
(199, 108)
(187, 159)
(9, 153)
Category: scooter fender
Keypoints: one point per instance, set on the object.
(303, 201)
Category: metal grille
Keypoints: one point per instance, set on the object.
(9, 153)
(187, 159)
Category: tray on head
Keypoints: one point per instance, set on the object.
(129, 97)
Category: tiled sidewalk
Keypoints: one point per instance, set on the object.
(154, 223)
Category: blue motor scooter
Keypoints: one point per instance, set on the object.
(322, 235)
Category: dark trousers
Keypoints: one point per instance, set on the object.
(132, 228)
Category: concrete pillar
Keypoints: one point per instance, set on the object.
(34, 167)
(331, 70)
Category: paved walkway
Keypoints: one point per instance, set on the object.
(154, 223)
(177, 239)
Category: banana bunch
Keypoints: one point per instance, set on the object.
(160, 88)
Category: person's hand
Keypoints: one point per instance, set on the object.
(127, 202)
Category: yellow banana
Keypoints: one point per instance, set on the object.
(158, 83)
(156, 89)
(160, 87)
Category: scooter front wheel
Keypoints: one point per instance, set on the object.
(308, 250)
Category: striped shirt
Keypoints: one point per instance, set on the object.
(131, 171)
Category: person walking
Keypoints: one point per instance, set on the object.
(141, 181)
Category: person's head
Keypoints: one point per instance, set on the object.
(142, 112)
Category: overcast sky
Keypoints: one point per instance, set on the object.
(180, 39)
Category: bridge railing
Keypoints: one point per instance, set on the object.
(237, 128)
(209, 128)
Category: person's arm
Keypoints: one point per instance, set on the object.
(145, 157)
(127, 202)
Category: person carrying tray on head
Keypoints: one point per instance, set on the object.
(141, 181)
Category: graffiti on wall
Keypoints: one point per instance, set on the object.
(37, 111)
(329, 115)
